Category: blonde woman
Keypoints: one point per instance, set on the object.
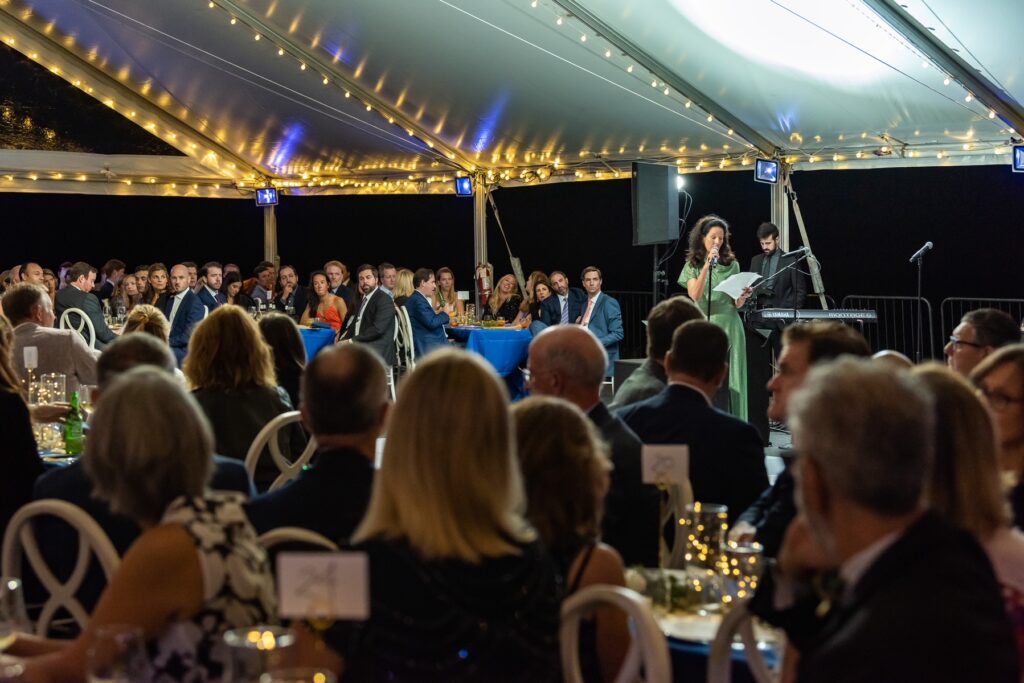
(566, 471)
(148, 319)
(446, 294)
(231, 370)
(459, 587)
(403, 286)
(965, 485)
(127, 291)
(504, 302)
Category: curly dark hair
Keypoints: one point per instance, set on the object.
(697, 253)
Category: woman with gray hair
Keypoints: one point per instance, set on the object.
(197, 570)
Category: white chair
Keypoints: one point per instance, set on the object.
(648, 650)
(737, 620)
(406, 345)
(391, 382)
(84, 323)
(295, 534)
(268, 438)
(206, 311)
(92, 540)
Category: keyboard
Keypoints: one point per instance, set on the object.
(853, 314)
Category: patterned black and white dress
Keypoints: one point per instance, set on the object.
(238, 589)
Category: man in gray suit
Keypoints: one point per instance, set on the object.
(28, 308)
(81, 280)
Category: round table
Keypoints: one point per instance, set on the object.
(316, 339)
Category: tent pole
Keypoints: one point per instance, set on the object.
(780, 206)
(270, 235)
(816, 283)
(479, 228)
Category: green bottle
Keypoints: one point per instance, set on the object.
(73, 436)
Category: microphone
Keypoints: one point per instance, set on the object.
(796, 252)
(714, 256)
(921, 252)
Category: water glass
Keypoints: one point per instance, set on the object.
(298, 676)
(53, 388)
(117, 654)
(704, 527)
(13, 617)
(255, 651)
(742, 564)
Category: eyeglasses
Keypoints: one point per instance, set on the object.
(957, 342)
(997, 399)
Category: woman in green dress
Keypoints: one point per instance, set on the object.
(711, 251)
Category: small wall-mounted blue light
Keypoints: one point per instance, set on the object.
(1018, 158)
(266, 196)
(766, 171)
(464, 186)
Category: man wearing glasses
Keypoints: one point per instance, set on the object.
(979, 333)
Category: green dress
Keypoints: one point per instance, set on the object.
(725, 315)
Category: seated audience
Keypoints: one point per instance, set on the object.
(263, 287)
(726, 457)
(602, 315)
(183, 310)
(323, 307)
(231, 289)
(32, 272)
(70, 483)
(77, 295)
(979, 333)
(149, 457)
(291, 296)
(21, 461)
(231, 371)
(374, 321)
(403, 286)
(965, 487)
(1000, 381)
(565, 472)
(148, 319)
(427, 324)
(568, 362)
(388, 277)
(803, 347)
(50, 281)
(529, 304)
(504, 302)
(650, 378)
(894, 359)
(112, 272)
(126, 293)
(193, 273)
(566, 306)
(282, 334)
(158, 279)
(30, 312)
(445, 520)
(339, 283)
(446, 293)
(343, 407)
(142, 277)
(907, 578)
(211, 278)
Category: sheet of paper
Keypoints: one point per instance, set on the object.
(734, 285)
(31, 357)
(323, 585)
(665, 464)
(463, 295)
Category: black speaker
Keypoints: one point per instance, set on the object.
(655, 204)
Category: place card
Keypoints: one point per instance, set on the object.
(323, 585)
(463, 295)
(31, 355)
(666, 464)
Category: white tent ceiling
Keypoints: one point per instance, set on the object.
(395, 95)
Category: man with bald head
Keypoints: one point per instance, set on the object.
(344, 402)
(569, 362)
(32, 272)
(183, 309)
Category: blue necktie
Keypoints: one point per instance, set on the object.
(565, 312)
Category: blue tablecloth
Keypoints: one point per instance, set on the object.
(505, 349)
(316, 339)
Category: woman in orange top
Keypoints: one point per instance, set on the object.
(323, 306)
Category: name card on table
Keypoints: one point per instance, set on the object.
(463, 295)
(323, 586)
(666, 464)
(31, 357)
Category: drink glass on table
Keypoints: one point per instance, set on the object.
(13, 617)
(255, 651)
(117, 654)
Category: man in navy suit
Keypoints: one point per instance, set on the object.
(344, 401)
(563, 308)
(292, 295)
(427, 326)
(602, 316)
(81, 280)
(184, 311)
(726, 457)
(374, 321)
(212, 276)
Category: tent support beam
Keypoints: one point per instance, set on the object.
(780, 206)
(479, 228)
(27, 38)
(315, 61)
(924, 40)
(670, 77)
(270, 235)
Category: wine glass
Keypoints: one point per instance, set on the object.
(53, 387)
(13, 617)
(253, 652)
(117, 654)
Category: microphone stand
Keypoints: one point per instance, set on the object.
(707, 285)
(794, 264)
(919, 340)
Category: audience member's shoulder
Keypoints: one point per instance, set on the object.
(60, 482)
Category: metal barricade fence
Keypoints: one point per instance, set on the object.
(635, 307)
(954, 308)
(897, 318)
